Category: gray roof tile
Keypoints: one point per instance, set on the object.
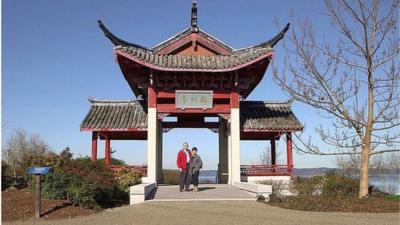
(258, 115)
(254, 115)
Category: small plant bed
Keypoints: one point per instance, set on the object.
(333, 193)
(20, 205)
(75, 187)
(337, 204)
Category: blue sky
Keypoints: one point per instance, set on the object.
(54, 57)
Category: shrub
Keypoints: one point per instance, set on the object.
(129, 179)
(6, 175)
(82, 193)
(339, 185)
(307, 186)
(84, 183)
(55, 185)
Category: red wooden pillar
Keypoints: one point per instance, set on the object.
(107, 152)
(273, 152)
(289, 151)
(151, 94)
(94, 145)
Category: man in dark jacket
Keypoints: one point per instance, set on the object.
(183, 162)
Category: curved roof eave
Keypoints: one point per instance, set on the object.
(118, 41)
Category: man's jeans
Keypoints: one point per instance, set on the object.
(185, 179)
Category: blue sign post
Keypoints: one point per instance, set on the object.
(38, 172)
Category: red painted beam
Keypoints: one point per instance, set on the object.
(234, 99)
(258, 136)
(113, 129)
(216, 95)
(190, 124)
(279, 131)
(216, 109)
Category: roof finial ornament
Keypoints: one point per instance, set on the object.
(194, 17)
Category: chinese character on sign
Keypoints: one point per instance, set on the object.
(193, 99)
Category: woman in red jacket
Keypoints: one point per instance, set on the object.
(183, 162)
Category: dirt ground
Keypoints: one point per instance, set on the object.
(219, 212)
(20, 205)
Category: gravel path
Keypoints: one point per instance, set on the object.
(219, 212)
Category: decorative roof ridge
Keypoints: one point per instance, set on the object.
(193, 21)
(186, 32)
(94, 101)
(116, 40)
(270, 103)
(176, 35)
(213, 37)
(270, 43)
(273, 41)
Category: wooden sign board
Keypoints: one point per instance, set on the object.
(39, 170)
(193, 99)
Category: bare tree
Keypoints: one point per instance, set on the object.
(266, 158)
(20, 147)
(348, 165)
(351, 78)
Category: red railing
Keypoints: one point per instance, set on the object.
(120, 169)
(266, 170)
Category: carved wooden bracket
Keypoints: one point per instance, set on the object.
(161, 116)
(214, 130)
(166, 130)
(224, 116)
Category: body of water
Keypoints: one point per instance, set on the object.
(388, 183)
(208, 177)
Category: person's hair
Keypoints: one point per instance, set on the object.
(185, 143)
(194, 149)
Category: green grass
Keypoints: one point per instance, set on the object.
(393, 197)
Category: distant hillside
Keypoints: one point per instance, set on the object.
(306, 172)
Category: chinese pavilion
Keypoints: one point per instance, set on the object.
(190, 76)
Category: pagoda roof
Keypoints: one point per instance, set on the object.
(193, 59)
(256, 116)
(169, 62)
